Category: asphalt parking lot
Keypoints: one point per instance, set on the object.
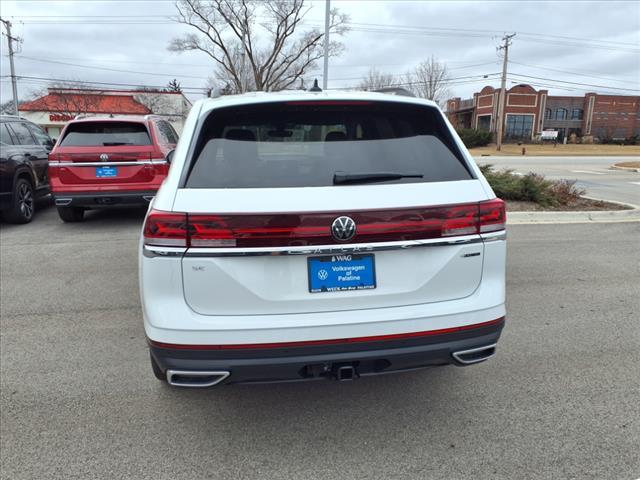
(78, 399)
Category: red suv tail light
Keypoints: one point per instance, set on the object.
(307, 229)
(166, 229)
(493, 216)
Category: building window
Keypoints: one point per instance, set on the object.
(484, 122)
(561, 114)
(576, 114)
(519, 127)
(547, 114)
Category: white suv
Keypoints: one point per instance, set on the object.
(304, 235)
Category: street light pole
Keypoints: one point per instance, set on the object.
(14, 86)
(325, 79)
(503, 86)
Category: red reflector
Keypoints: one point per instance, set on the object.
(165, 229)
(375, 338)
(493, 216)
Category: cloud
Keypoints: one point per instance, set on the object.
(105, 34)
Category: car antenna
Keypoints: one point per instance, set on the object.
(315, 87)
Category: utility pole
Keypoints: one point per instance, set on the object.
(327, 16)
(503, 86)
(14, 86)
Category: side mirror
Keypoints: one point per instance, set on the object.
(50, 143)
(169, 156)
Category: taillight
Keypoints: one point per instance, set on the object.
(210, 231)
(166, 229)
(493, 216)
(460, 220)
(308, 229)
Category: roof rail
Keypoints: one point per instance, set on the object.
(395, 91)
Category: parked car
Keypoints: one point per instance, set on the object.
(109, 162)
(306, 235)
(24, 148)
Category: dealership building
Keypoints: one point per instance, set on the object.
(54, 110)
(528, 112)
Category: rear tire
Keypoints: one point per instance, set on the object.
(22, 204)
(71, 214)
(160, 375)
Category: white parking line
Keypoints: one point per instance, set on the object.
(635, 183)
(588, 171)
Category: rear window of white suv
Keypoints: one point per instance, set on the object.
(321, 143)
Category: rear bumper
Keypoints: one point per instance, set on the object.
(301, 361)
(102, 199)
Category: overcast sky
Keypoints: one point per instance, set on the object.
(571, 47)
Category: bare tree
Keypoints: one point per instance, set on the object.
(71, 98)
(256, 45)
(6, 108)
(430, 80)
(375, 80)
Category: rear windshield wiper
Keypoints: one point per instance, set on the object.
(115, 144)
(342, 178)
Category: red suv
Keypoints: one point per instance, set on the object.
(109, 162)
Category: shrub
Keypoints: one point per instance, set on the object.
(474, 138)
(531, 187)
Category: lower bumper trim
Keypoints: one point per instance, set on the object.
(313, 362)
(104, 199)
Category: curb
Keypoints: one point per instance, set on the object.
(607, 216)
(628, 169)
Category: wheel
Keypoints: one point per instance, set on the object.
(22, 204)
(156, 369)
(71, 214)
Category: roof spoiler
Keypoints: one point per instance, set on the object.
(395, 91)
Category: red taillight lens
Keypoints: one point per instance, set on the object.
(166, 229)
(308, 229)
(493, 216)
(460, 220)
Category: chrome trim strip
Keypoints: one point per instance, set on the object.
(151, 251)
(329, 249)
(494, 236)
(153, 161)
(457, 355)
(218, 376)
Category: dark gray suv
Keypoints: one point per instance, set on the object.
(24, 152)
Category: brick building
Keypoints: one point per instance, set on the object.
(529, 111)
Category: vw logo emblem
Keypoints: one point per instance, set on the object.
(343, 229)
(104, 157)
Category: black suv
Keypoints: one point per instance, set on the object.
(24, 152)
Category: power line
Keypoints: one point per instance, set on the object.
(111, 69)
(576, 83)
(582, 74)
(89, 83)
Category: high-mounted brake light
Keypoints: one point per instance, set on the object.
(165, 229)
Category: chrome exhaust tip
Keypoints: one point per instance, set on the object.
(475, 355)
(148, 198)
(63, 202)
(195, 379)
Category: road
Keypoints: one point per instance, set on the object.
(591, 173)
(78, 400)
